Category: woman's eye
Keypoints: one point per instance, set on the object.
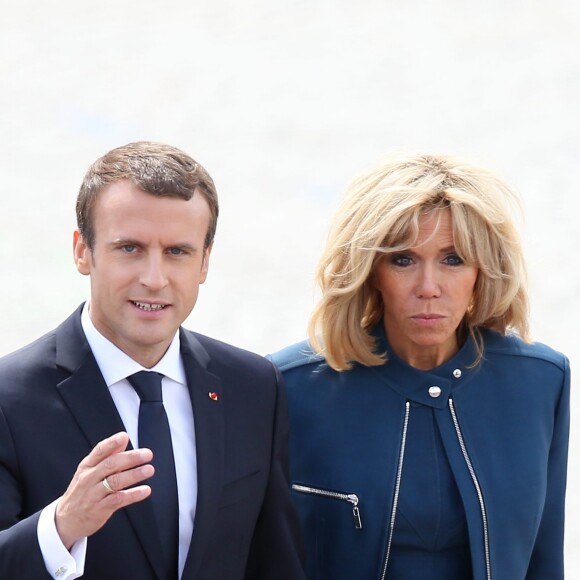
(401, 260)
(453, 260)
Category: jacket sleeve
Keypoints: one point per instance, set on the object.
(20, 555)
(547, 562)
(276, 551)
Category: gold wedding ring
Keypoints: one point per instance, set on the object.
(106, 485)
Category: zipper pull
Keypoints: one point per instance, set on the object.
(356, 514)
(353, 499)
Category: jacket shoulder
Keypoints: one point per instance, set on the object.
(296, 355)
(513, 345)
(29, 356)
(211, 351)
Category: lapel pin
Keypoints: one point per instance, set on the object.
(213, 396)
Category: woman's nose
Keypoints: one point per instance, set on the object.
(428, 285)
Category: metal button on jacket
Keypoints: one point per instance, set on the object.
(434, 391)
(457, 373)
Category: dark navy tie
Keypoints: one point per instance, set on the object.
(154, 433)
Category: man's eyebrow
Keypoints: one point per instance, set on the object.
(124, 242)
(184, 246)
(132, 242)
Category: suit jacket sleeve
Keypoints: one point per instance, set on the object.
(277, 550)
(20, 555)
(547, 562)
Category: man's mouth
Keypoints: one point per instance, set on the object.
(148, 307)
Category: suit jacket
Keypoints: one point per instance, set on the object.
(55, 407)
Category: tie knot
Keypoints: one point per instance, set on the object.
(148, 385)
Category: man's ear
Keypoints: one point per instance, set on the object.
(205, 263)
(82, 254)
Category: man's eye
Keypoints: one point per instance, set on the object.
(176, 251)
(128, 248)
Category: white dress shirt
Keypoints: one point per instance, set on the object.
(115, 367)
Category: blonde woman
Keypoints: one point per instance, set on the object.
(428, 434)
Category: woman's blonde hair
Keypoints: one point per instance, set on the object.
(380, 214)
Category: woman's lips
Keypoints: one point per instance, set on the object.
(427, 319)
(428, 316)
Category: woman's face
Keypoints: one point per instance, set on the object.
(426, 291)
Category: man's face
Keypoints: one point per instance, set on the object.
(146, 266)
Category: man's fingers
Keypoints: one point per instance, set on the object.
(87, 504)
(120, 480)
(109, 456)
(123, 461)
(125, 497)
(114, 444)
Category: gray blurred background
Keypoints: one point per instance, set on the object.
(284, 103)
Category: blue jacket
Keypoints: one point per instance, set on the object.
(504, 425)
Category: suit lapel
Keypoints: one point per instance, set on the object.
(89, 400)
(207, 401)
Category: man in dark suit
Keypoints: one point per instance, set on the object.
(99, 478)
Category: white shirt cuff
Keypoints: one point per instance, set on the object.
(60, 563)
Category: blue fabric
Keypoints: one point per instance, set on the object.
(430, 539)
(513, 415)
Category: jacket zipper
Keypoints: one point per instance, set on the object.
(352, 498)
(477, 489)
(397, 489)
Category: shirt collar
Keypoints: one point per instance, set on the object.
(115, 365)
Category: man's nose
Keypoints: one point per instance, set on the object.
(153, 275)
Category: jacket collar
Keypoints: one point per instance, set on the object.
(415, 384)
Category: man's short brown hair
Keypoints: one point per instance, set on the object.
(155, 168)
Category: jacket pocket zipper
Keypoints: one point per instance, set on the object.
(349, 497)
